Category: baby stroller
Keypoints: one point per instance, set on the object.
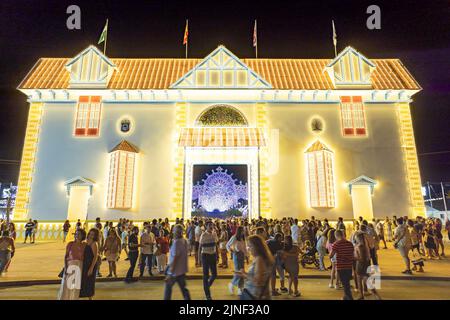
(310, 256)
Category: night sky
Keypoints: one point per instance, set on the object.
(417, 32)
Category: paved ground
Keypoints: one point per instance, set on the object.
(44, 260)
(311, 290)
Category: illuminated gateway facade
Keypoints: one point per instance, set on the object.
(117, 137)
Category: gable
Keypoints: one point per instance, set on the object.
(124, 145)
(221, 69)
(78, 182)
(350, 69)
(362, 180)
(90, 69)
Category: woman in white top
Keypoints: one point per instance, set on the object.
(238, 248)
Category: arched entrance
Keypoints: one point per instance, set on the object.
(221, 137)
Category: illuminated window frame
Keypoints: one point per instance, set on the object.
(121, 179)
(87, 119)
(353, 116)
(320, 168)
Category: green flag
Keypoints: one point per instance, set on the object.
(104, 33)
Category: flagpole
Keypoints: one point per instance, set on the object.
(256, 46)
(187, 39)
(106, 38)
(334, 38)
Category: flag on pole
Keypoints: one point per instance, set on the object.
(255, 36)
(104, 34)
(186, 34)
(334, 37)
(255, 39)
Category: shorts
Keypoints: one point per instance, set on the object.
(28, 233)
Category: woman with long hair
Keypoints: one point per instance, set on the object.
(256, 286)
(362, 257)
(112, 251)
(90, 264)
(289, 256)
(238, 249)
(331, 240)
(12, 235)
(223, 239)
(73, 267)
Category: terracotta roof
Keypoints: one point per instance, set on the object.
(296, 74)
(124, 145)
(221, 137)
(317, 146)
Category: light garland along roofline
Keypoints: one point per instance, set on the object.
(222, 96)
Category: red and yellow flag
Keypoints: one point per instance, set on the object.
(186, 33)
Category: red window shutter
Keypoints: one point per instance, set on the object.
(345, 99)
(349, 131)
(83, 99)
(357, 99)
(361, 131)
(80, 131)
(92, 131)
(95, 99)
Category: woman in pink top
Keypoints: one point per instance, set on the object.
(73, 264)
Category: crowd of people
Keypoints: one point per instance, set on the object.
(270, 248)
(261, 251)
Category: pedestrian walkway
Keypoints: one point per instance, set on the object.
(311, 289)
(44, 261)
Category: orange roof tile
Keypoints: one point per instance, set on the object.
(155, 73)
(317, 146)
(124, 145)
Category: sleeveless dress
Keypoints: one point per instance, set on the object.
(88, 282)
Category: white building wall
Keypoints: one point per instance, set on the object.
(61, 156)
(379, 156)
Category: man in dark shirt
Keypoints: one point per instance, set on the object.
(133, 253)
(344, 252)
(29, 230)
(275, 246)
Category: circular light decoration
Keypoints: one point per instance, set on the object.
(125, 125)
(219, 191)
(317, 125)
